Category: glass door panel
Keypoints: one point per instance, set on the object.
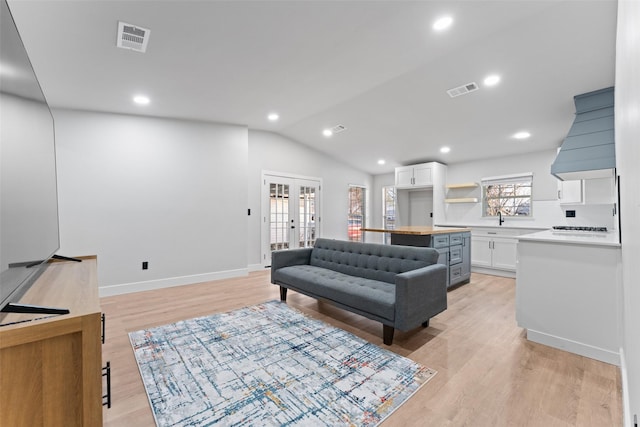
(279, 216)
(290, 214)
(307, 216)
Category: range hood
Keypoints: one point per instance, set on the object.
(588, 151)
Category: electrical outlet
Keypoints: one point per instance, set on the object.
(145, 265)
(570, 214)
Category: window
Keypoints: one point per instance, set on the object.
(356, 213)
(509, 195)
(388, 211)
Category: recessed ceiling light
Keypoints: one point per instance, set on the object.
(327, 132)
(445, 149)
(141, 99)
(381, 162)
(492, 80)
(521, 135)
(273, 117)
(442, 23)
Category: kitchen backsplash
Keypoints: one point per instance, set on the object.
(546, 213)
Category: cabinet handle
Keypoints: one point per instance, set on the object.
(103, 321)
(106, 372)
(559, 197)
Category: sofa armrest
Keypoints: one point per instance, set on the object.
(420, 295)
(286, 258)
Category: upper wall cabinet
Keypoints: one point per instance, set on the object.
(415, 176)
(570, 192)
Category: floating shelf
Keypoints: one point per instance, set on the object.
(462, 200)
(463, 185)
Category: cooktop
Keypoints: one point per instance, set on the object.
(574, 228)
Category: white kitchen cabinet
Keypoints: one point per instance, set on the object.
(414, 176)
(589, 192)
(494, 252)
(481, 252)
(570, 192)
(504, 253)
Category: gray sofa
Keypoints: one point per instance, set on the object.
(400, 286)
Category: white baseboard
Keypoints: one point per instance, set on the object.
(626, 403)
(582, 349)
(127, 288)
(494, 272)
(255, 267)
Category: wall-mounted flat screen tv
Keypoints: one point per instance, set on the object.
(28, 192)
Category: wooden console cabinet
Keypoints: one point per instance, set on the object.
(50, 369)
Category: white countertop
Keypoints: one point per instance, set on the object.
(503, 227)
(609, 238)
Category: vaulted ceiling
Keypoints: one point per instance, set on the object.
(376, 67)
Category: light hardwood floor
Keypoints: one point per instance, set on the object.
(488, 373)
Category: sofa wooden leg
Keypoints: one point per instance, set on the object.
(283, 293)
(425, 324)
(387, 334)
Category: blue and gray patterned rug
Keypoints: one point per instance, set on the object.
(270, 365)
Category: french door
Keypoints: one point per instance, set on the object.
(290, 213)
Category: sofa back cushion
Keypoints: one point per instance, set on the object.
(370, 260)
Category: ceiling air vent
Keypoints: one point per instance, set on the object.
(132, 37)
(338, 129)
(463, 90)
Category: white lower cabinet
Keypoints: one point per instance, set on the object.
(494, 252)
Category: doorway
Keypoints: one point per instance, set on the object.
(290, 213)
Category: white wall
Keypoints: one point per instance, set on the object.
(627, 111)
(170, 192)
(375, 213)
(275, 153)
(546, 209)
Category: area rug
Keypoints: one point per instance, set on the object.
(270, 365)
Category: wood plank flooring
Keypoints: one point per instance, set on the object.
(488, 373)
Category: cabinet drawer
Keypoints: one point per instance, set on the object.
(440, 241)
(455, 255)
(455, 274)
(455, 239)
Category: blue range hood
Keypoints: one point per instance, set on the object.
(588, 151)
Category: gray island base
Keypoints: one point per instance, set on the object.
(453, 245)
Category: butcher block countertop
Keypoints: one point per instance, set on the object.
(419, 230)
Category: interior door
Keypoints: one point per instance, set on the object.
(290, 214)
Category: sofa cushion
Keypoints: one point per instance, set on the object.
(370, 296)
(370, 261)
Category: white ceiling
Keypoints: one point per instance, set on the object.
(376, 67)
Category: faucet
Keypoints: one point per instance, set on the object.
(500, 219)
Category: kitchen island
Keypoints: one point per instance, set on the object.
(453, 245)
(568, 291)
